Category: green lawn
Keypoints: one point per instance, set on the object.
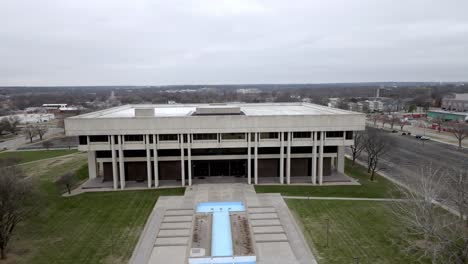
(88, 228)
(360, 231)
(28, 156)
(379, 188)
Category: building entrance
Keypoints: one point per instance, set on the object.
(207, 168)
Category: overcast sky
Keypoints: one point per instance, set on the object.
(151, 42)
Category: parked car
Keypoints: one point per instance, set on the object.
(418, 136)
(403, 134)
(425, 138)
(394, 131)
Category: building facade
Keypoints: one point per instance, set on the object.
(455, 102)
(160, 144)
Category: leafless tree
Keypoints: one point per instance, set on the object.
(439, 122)
(374, 118)
(402, 123)
(393, 118)
(67, 180)
(41, 130)
(443, 238)
(30, 132)
(13, 124)
(457, 189)
(47, 144)
(377, 144)
(384, 119)
(359, 144)
(15, 195)
(459, 130)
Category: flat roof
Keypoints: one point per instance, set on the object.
(257, 109)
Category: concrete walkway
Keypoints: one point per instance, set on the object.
(167, 234)
(343, 198)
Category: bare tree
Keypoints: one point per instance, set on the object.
(377, 144)
(459, 130)
(384, 119)
(402, 123)
(47, 144)
(359, 144)
(374, 118)
(443, 238)
(67, 180)
(15, 194)
(4, 125)
(393, 118)
(457, 189)
(439, 122)
(41, 130)
(30, 132)
(13, 122)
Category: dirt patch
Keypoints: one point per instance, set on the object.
(241, 235)
(201, 235)
(62, 163)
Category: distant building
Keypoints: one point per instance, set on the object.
(33, 118)
(447, 115)
(455, 102)
(374, 105)
(248, 91)
(333, 102)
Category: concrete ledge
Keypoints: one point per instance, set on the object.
(267, 229)
(268, 222)
(271, 237)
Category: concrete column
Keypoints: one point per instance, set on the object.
(155, 160)
(288, 160)
(256, 159)
(189, 158)
(92, 164)
(320, 172)
(281, 165)
(148, 160)
(114, 164)
(121, 162)
(249, 157)
(314, 158)
(340, 160)
(182, 159)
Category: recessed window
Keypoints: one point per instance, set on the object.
(269, 135)
(98, 138)
(207, 136)
(335, 134)
(133, 138)
(168, 137)
(230, 136)
(301, 135)
(349, 134)
(83, 140)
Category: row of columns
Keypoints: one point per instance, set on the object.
(118, 169)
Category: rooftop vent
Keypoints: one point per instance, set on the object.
(218, 109)
(144, 112)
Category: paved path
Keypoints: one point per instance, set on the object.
(343, 198)
(167, 234)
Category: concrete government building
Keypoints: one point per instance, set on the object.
(161, 145)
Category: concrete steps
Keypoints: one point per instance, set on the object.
(175, 228)
(266, 225)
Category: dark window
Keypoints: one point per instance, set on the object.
(334, 134)
(301, 150)
(133, 137)
(168, 152)
(269, 135)
(211, 136)
(83, 140)
(318, 134)
(168, 137)
(135, 153)
(233, 136)
(103, 154)
(330, 149)
(98, 138)
(151, 139)
(269, 150)
(226, 151)
(349, 134)
(301, 134)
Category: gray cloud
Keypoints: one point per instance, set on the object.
(147, 42)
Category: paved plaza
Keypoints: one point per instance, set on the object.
(277, 237)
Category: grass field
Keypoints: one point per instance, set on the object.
(88, 228)
(379, 188)
(28, 156)
(359, 231)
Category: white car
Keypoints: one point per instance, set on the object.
(424, 138)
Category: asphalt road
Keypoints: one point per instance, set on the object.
(408, 155)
